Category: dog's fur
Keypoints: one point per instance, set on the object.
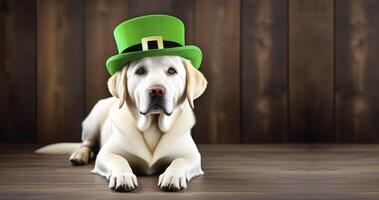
(139, 135)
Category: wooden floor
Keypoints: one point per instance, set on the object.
(231, 172)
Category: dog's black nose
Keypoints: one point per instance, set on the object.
(157, 91)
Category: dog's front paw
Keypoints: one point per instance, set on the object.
(80, 157)
(123, 181)
(172, 180)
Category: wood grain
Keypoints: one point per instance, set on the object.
(217, 33)
(264, 71)
(60, 54)
(278, 70)
(17, 71)
(231, 172)
(357, 75)
(101, 18)
(311, 71)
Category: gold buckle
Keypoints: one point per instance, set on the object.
(145, 40)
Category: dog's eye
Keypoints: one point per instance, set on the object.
(171, 70)
(140, 71)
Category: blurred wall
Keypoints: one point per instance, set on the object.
(279, 71)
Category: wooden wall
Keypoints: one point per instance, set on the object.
(357, 71)
(311, 70)
(18, 71)
(279, 71)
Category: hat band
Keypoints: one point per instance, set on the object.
(151, 45)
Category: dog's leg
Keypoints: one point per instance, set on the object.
(90, 136)
(180, 170)
(91, 132)
(117, 170)
(81, 156)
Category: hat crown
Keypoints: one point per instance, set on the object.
(131, 32)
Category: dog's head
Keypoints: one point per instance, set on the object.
(157, 85)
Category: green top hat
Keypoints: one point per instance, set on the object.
(151, 35)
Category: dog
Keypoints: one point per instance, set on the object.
(145, 127)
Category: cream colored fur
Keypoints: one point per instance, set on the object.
(156, 142)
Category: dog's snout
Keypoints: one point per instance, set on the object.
(157, 91)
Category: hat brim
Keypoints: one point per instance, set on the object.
(193, 53)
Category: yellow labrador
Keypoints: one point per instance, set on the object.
(145, 127)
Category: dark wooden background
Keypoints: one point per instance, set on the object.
(279, 71)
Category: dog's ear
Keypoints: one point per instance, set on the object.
(117, 85)
(195, 82)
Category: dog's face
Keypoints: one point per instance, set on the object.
(156, 85)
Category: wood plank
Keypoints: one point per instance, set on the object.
(311, 71)
(264, 71)
(101, 18)
(217, 33)
(231, 172)
(184, 10)
(60, 41)
(17, 71)
(357, 76)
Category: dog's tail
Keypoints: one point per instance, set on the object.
(59, 148)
